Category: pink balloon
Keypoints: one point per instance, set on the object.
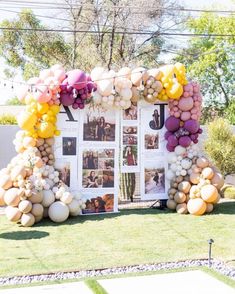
(186, 94)
(77, 79)
(186, 104)
(186, 115)
(34, 81)
(64, 85)
(59, 74)
(42, 94)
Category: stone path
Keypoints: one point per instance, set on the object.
(192, 282)
(69, 288)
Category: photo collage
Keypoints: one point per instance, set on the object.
(153, 184)
(130, 144)
(98, 168)
(99, 203)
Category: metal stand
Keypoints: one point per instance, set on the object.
(159, 204)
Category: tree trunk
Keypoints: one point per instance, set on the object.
(128, 182)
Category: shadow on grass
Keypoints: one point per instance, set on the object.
(221, 208)
(101, 217)
(20, 235)
(224, 208)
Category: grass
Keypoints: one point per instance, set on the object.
(128, 238)
(95, 286)
(229, 192)
(8, 119)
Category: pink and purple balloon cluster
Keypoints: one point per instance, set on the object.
(183, 124)
(76, 89)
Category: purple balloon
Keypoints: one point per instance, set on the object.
(84, 96)
(200, 131)
(81, 105)
(167, 135)
(173, 141)
(77, 79)
(66, 99)
(69, 89)
(90, 87)
(75, 105)
(172, 123)
(192, 126)
(185, 141)
(170, 148)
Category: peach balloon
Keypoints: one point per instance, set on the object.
(196, 206)
(209, 193)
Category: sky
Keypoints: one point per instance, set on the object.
(7, 92)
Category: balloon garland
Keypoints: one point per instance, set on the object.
(30, 185)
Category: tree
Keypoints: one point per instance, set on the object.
(31, 50)
(112, 21)
(211, 60)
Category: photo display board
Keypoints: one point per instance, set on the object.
(96, 145)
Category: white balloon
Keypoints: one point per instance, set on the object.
(173, 167)
(171, 157)
(105, 87)
(186, 163)
(170, 175)
(183, 172)
(97, 73)
(179, 150)
(126, 93)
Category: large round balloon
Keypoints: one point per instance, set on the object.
(192, 126)
(172, 124)
(77, 79)
(66, 99)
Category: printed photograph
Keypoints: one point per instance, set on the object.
(129, 139)
(64, 171)
(106, 164)
(99, 204)
(92, 179)
(106, 153)
(90, 159)
(154, 123)
(99, 126)
(131, 113)
(151, 141)
(130, 130)
(69, 145)
(108, 179)
(129, 155)
(154, 179)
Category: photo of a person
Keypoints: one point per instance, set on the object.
(106, 153)
(130, 155)
(154, 180)
(155, 122)
(92, 180)
(130, 130)
(99, 126)
(90, 160)
(108, 179)
(151, 141)
(131, 113)
(105, 164)
(69, 145)
(129, 140)
(101, 129)
(64, 172)
(100, 204)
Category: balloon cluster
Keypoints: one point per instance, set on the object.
(189, 104)
(76, 89)
(173, 78)
(153, 86)
(194, 182)
(28, 187)
(45, 88)
(114, 90)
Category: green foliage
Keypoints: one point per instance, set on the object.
(220, 145)
(211, 60)
(8, 119)
(229, 192)
(31, 50)
(230, 112)
(13, 101)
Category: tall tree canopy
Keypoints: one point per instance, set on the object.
(211, 60)
(109, 45)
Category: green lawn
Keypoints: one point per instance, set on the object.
(130, 237)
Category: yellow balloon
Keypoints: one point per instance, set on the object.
(175, 91)
(55, 109)
(57, 132)
(26, 120)
(46, 129)
(42, 107)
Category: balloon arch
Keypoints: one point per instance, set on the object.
(30, 186)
